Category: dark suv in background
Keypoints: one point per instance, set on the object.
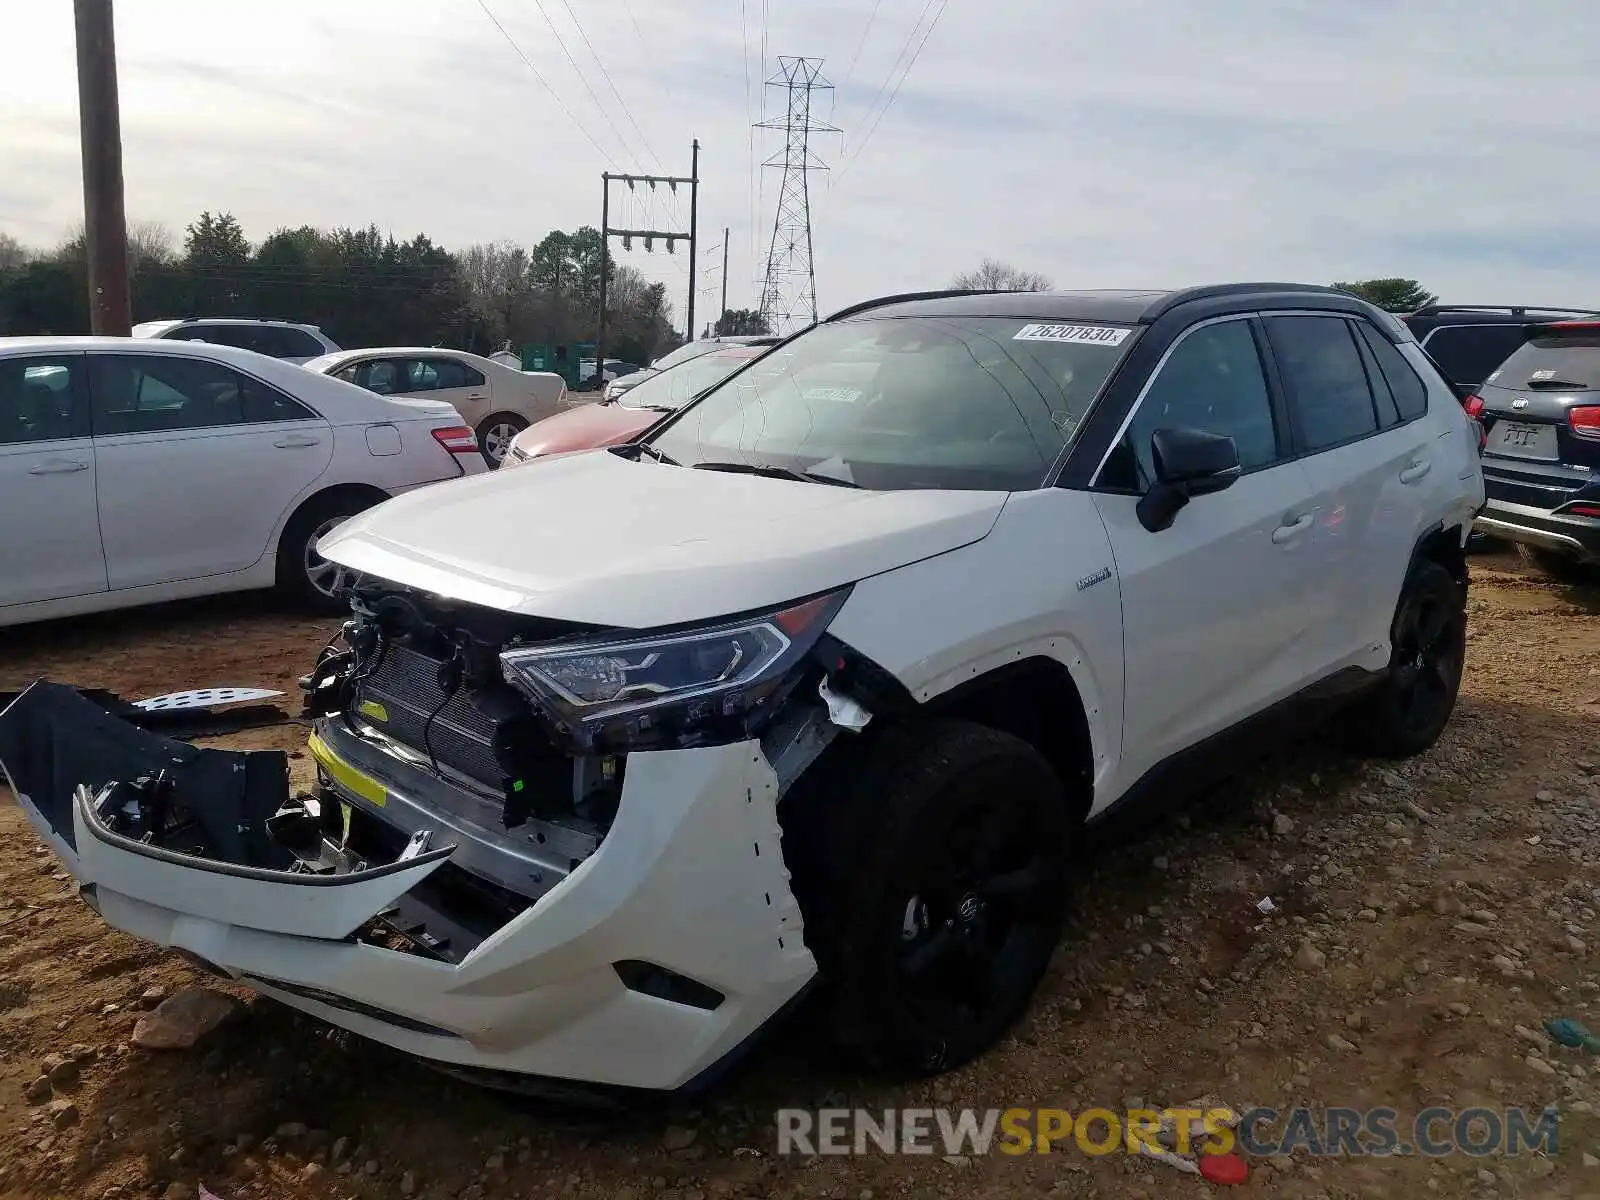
(1468, 341)
(1541, 413)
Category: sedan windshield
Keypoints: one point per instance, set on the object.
(974, 403)
(671, 389)
(684, 353)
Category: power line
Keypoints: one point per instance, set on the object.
(606, 75)
(584, 79)
(854, 58)
(539, 75)
(898, 84)
(750, 115)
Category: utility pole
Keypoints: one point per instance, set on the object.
(694, 223)
(789, 291)
(724, 311)
(105, 226)
(650, 237)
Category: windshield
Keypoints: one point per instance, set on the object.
(686, 352)
(975, 403)
(671, 390)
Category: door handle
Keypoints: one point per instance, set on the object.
(58, 466)
(474, 396)
(1414, 472)
(1287, 532)
(295, 441)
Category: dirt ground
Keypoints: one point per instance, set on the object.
(1429, 918)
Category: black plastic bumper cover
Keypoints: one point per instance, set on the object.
(54, 739)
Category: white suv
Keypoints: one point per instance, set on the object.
(288, 340)
(817, 682)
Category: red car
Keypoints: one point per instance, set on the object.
(622, 418)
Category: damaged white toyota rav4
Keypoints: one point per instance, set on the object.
(816, 682)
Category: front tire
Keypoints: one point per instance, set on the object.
(306, 580)
(1562, 568)
(496, 434)
(1410, 709)
(943, 896)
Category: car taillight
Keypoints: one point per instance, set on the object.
(1473, 406)
(457, 439)
(1585, 510)
(1585, 421)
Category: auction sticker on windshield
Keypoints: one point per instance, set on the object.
(1082, 335)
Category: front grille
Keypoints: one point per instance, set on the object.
(405, 688)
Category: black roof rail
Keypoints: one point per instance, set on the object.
(1516, 310)
(908, 297)
(1212, 291)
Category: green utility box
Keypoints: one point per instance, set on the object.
(563, 360)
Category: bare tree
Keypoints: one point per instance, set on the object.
(150, 243)
(13, 254)
(995, 276)
(495, 278)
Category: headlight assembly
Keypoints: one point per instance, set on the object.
(681, 687)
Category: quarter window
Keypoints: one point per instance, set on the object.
(1322, 372)
(1212, 380)
(40, 400)
(1468, 354)
(1410, 393)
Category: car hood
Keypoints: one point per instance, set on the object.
(583, 428)
(595, 538)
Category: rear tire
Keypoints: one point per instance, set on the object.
(1410, 709)
(1561, 567)
(938, 882)
(495, 435)
(306, 580)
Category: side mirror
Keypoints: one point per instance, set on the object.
(1188, 463)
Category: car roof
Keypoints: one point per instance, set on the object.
(172, 321)
(1491, 314)
(383, 351)
(73, 343)
(1124, 306)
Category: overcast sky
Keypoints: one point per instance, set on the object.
(1102, 142)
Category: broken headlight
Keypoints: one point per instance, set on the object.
(684, 687)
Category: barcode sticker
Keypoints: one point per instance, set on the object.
(1081, 335)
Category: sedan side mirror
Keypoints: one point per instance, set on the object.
(1188, 463)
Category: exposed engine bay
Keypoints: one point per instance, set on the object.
(427, 752)
(423, 678)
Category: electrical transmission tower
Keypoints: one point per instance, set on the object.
(789, 292)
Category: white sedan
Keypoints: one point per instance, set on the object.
(139, 471)
(497, 401)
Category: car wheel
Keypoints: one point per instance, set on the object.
(1563, 568)
(1409, 710)
(495, 435)
(945, 894)
(305, 578)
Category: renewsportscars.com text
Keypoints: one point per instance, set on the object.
(1372, 1132)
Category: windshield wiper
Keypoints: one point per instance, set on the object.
(773, 471)
(1558, 385)
(660, 456)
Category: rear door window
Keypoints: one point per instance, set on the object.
(161, 393)
(1327, 384)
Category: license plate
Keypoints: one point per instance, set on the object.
(1523, 440)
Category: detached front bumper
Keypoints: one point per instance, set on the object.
(688, 884)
